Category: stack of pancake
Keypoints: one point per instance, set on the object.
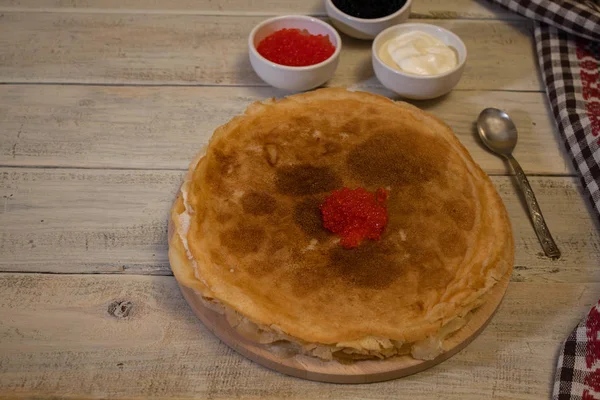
(250, 240)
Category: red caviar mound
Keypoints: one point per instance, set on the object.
(295, 48)
(355, 215)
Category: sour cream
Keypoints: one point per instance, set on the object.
(418, 53)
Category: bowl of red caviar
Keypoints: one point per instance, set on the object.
(366, 19)
(294, 52)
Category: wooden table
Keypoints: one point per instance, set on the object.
(102, 106)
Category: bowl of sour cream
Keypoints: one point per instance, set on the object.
(418, 61)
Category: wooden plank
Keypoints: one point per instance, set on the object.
(103, 221)
(163, 127)
(135, 337)
(431, 9)
(212, 50)
(113, 221)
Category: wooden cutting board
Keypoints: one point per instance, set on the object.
(358, 372)
(367, 371)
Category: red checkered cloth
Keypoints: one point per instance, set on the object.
(567, 35)
(571, 70)
(578, 370)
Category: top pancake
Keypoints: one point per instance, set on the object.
(258, 242)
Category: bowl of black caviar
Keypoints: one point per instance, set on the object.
(364, 19)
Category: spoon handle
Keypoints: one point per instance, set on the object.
(541, 229)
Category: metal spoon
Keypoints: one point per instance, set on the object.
(499, 134)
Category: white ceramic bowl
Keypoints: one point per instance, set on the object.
(415, 86)
(293, 78)
(362, 28)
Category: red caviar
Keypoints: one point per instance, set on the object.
(295, 47)
(355, 215)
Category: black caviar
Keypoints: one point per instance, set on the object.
(369, 9)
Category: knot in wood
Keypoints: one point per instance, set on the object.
(120, 309)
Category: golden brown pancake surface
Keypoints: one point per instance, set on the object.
(256, 240)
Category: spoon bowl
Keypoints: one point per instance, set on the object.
(497, 131)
